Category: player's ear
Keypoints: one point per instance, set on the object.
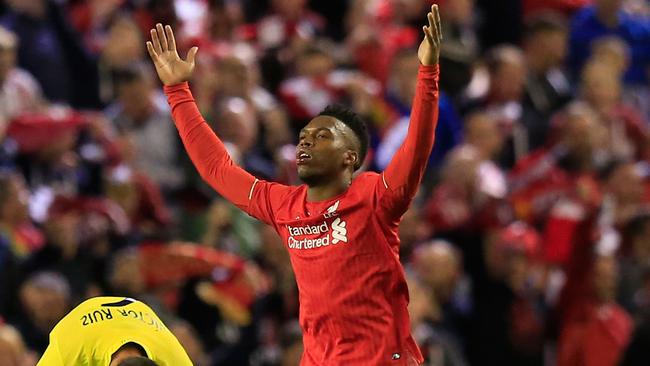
(351, 158)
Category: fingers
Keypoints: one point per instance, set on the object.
(436, 12)
(434, 31)
(152, 52)
(191, 54)
(155, 41)
(432, 22)
(171, 41)
(162, 36)
(427, 33)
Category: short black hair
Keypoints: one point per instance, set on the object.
(547, 21)
(137, 361)
(141, 360)
(354, 122)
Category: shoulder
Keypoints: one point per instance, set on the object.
(366, 182)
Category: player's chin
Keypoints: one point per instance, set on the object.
(307, 174)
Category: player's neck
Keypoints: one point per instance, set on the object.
(322, 192)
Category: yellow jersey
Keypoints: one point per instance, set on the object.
(94, 330)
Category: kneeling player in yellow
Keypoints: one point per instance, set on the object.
(113, 331)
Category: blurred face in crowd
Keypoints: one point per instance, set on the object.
(12, 347)
(612, 51)
(608, 6)
(420, 305)
(190, 342)
(403, 77)
(461, 169)
(62, 231)
(508, 78)
(626, 184)
(46, 305)
(458, 11)
(134, 97)
(14, 200)
(409, 228)
(289, 9)
(601, 87)
(552, 46)
(315, 65)
(224, 17)
(126, 276)
(406, 10)
(508, 262)
(438, 266)
(605, 278)
(581, 134)
(483, 133)
(238, 123)
(33, 8)
(233, 77)
(124, 43)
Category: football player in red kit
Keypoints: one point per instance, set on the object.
(340, 230)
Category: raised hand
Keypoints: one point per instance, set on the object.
(170, 67)
(429, 50)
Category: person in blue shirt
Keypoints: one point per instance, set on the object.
(607, 18)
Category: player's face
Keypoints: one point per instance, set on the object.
(324, 150)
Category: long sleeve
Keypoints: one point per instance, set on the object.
(206, 150)
(404, 173)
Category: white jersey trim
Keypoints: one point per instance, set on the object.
(383, 178)
(250, 194)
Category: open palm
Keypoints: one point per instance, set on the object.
(170, 67)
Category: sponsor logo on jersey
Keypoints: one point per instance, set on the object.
(328, 233)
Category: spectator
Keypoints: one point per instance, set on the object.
(547, 86)
(460, 49)
(45, 299)
(605, 18)
(19, 91)
(438, 269)
(12, 348)
(16, 228)
(503, 100)
(508, 324)
(581, 341)
(565, 169)
(628, 134)
(43, 22)
(142, 115)
(190, 341)
(120, 48)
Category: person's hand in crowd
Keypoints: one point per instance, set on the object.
(170, 67)
(429, 50)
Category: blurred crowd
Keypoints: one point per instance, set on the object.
(528, 243)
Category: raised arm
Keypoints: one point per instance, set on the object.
(206, 150)
(404, 173)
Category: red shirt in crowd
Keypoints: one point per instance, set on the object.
(344, 250)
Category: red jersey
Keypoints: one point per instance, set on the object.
(344, 250)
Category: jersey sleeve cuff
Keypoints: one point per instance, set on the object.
(169, 89)
(429, 70)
